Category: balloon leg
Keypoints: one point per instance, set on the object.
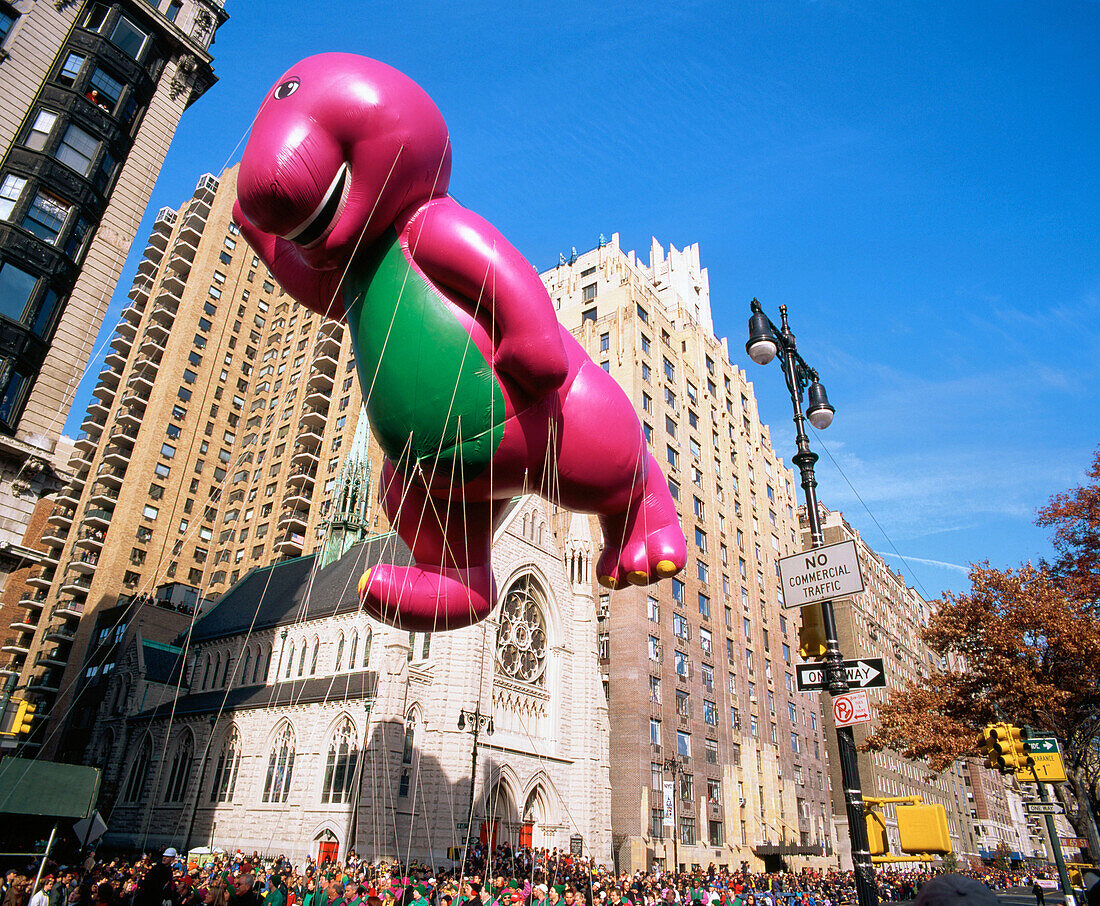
(645, 543)
(451, 583)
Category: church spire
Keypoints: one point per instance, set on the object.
(347, 522)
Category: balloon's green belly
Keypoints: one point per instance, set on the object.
(432, 399)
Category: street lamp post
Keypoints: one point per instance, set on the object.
(474, 722)
(765, 340)
(676, 767)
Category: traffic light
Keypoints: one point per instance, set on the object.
(923, 829)
(24, 716)
(877, 843)
(811, 634)
(1003, 747)
(1032, 745)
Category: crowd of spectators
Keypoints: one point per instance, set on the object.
(498, 876)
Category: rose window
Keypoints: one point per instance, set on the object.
(521, 638)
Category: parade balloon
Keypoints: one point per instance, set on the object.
(473, 389)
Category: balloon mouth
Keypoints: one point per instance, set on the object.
(324, 216)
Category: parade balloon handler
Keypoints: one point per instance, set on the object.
(473, 389)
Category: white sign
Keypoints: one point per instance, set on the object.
(670, 804)
(820, 574)
(853, 708)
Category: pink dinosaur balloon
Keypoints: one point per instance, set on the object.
(473, 389)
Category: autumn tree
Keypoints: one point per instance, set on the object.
(1075, 518)
(1023, 646)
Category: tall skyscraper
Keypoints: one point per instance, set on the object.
(700, 670)
(90, 97)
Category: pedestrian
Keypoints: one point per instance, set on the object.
(1037, 890)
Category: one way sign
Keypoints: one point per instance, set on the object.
(865, 673)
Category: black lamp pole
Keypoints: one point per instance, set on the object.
(765, 340)
(474, 722)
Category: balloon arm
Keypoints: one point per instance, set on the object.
(317, 290)
(462, 251)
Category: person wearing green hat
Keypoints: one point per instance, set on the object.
(274, 895)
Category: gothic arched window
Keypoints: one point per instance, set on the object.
(225, 774)
(139, 770)
(340, 769)
(302, 659)
(247, 664)
(181, 769)
(290, 661)
(354, 649)
(316, 654)
(366, 648)
(280, 766)
(521, 638)
(340, 653)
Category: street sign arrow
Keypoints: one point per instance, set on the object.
(1042, 744)
(1044, 808)
(864, 673)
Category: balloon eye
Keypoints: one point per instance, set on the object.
(286, 89)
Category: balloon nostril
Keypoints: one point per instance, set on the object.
(274, 188)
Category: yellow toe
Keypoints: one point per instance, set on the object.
(637, 577)
(363, 581)
(608, 582)
(666, 568)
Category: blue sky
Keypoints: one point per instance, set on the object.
(916, 181)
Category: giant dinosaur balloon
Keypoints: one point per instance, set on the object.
(474, 391)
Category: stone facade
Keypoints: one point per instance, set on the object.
(541, 774)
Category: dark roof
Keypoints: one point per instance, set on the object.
(341, 687)
(291, 592)
(162, 662)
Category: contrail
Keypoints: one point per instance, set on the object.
(965, 570)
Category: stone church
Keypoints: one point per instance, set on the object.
(285, 721)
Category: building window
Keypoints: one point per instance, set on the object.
(683, 744)
(710, 713)
(711, 751)
(104, 90)
(46, 216)
(225, 774)
(173, 10)
(340, 768)
(10, 190)
(280, 767)
(139, 770)
(128, 38)
(180, 773)
(521, 636)
(16, 286)
(654, 731)
(77, 150)
(7, 20)
(40, 131)
(687, 831)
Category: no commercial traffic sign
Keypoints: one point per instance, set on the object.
(820, 574)
(866, 673)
